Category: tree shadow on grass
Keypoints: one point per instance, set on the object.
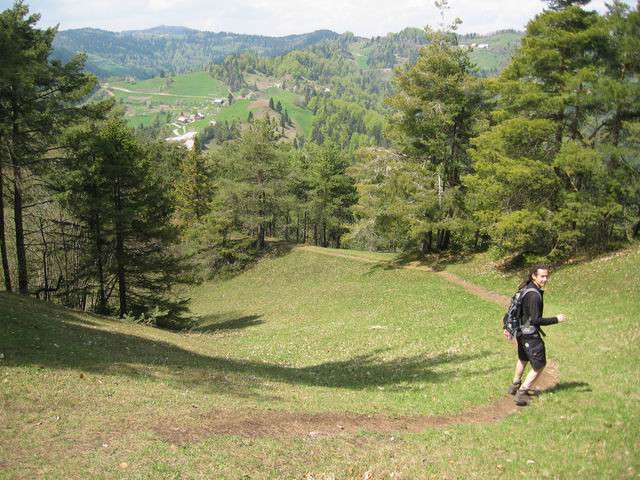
(55, 338)
(215, 323)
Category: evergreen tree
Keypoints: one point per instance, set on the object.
(279, 107)
(271, 104)
(251, 190)
(555, 174)
(109, 184)
(438, 107)
(331, 193)
(36, 97)
(192, 188)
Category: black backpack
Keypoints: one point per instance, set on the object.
(512, 320)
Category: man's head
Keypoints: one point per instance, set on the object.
(539, 275)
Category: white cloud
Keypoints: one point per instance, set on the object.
(283, 17)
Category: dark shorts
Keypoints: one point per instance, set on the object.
(531, 349)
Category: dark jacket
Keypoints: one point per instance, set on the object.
(532, 307)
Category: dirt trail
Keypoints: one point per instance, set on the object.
(449, 277)
(261, 423)
(270, 423)
(286, 424)
(267, 423)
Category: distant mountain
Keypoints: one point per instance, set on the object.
(145, 53)
(491, 52)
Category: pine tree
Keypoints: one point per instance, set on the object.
(192, 189)
(438, 106)
(555, 174)
(253, 186)
(271, 104)
(36, 98)
(108, 183)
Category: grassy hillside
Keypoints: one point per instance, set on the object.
(145, 53)
(163, 99)
(303, 333)
(495, 58)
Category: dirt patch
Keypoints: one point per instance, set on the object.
(260, 103)
(142, 99)
(270, 424)
(258, 423)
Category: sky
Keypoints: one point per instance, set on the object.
(366, 18)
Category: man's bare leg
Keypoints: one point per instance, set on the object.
(531, 378)
(520, 366)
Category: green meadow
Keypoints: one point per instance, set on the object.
(144, 100)
(301, 117)
(305, 334)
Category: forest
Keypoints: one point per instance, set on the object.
(538, 162)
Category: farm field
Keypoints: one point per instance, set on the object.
(311, 365)
(162, 100)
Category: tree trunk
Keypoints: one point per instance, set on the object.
(45, 265)
(21, 254)
(324, 233)
(101, 304)
(260, 238)
(65, 250)
(304, 230)
(444, 239)
(3, 241)
(426, 243)
(122, 286)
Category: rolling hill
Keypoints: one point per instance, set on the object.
(312, 365)
(146, 53)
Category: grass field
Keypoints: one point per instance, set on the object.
(191, 84)
(301, 117)
(307, 334)
(497, 56)
(193, 92)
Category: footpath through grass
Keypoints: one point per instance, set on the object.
(84, 397)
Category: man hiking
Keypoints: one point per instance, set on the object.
(531, 347)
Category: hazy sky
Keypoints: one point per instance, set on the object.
(283, 17)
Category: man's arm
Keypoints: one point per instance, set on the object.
(532, 304)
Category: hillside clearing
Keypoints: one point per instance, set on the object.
(311, 364)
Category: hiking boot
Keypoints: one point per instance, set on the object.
(513, 388)
(522, 398)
